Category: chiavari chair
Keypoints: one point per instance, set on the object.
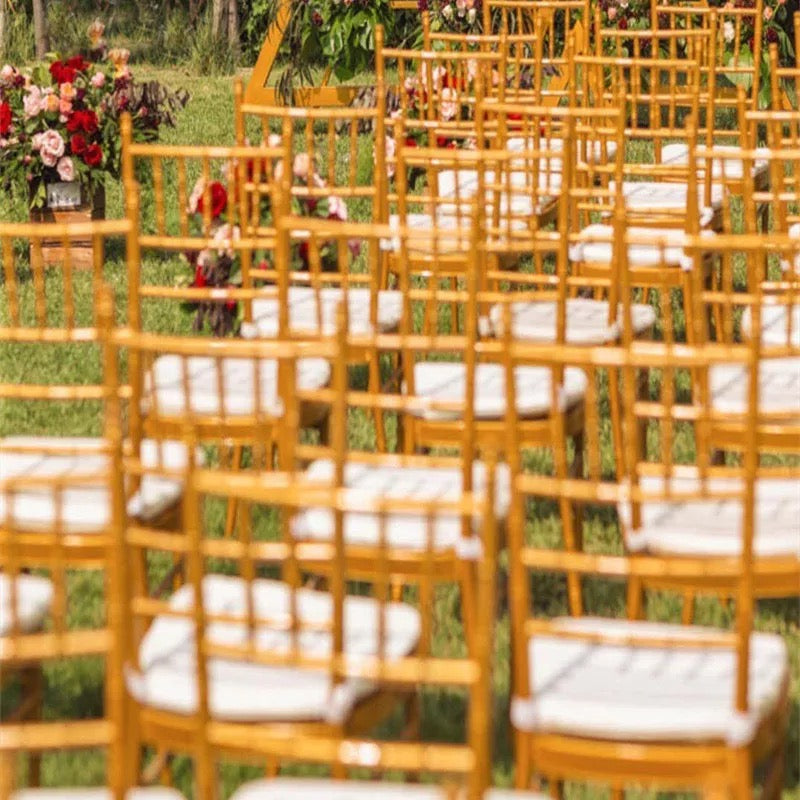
(328, 664)
(41, 619)
(49, 327)
(622, 701)
(737, 33)
(784, 80)
(224, 222)
(556, 23)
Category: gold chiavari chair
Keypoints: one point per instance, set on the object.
(737, 46)
(784, 81)
(556, 23)
(225, 223)
(620, 701)
(42, 617)
(263, 659)
(415, 478)
(52, 380)
(440, 386)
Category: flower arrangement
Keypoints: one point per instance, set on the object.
(60, 122)
(217, 264)
(462, 16)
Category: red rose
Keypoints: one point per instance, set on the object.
(219, 199)
(85, 121)
(78, 64)
(62, 73)
(5, 118)
(411, 142)
(623, 24)
(77, 144)
(199, 278)
(93, 155)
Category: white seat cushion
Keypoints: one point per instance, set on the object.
(246, 691)
(34, 596)
(779, 386)
(443, 382)
(403, 531)
(646, 693)
(713, 527)
(464, 183)
(731, 168)
(774, 324)
(331, 789)
(85, 508)
(596, 153)
(307, 307)
(148, 793)
(239, 378)
(657, 247)
(658, 196)
(587, 320)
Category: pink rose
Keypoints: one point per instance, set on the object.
(97, 80)
(32, 102)
(301, 166)
(336, 208)
(52, 147)
(612, 13)
(7, 73)
(36, 141)
(66, 169)
(50, 102)
(64, 107)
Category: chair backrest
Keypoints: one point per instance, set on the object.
(44, 621)
(210, 217)
(436, 92)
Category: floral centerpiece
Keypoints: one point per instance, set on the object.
(461, 16)
(59, 123)
(217, 264)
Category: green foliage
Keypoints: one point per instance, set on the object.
(210, 54)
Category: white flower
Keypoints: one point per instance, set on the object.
(449, 106)
(471, 14)
(447, 12)
(391, 153)
(728, 31)
(66, 169)
(194, 197)
(336, 208)
(225, 236)
(274, 140)
(7, 73)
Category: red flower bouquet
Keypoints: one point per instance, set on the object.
(60, 123)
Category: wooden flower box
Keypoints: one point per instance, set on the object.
(68, 203)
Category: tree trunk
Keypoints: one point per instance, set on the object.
(233, 28)
(217, 13)
(40, 28)
(3, 28)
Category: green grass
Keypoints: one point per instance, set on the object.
(75, 689)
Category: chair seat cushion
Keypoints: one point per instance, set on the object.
(731, 168)
(440, 385)
(713, 527)
(594, 245)
(775, 324)
(402, 531)
(87, 793)
(779, 386)
(239, 379)
(332, 789)
(464, 183)
(642, 196)
(34, 596)
(248, 691)
(587, 321)
(646, 693)
(308, 307)
(85, 508)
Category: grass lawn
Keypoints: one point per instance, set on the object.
(75, 689)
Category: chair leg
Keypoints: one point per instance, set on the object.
(272, 767)
(741, 774)
(230, 516)
(8, 771)
(555, 788)
(374, 386)
(635, 598)
(32, 680)
(522, 761)
(687, 611)
(468, 604)
(617, 792)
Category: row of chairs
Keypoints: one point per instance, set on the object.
(185, 664)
